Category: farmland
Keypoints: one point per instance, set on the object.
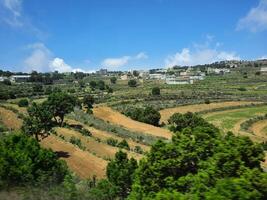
(90, 134)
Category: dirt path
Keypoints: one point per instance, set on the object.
(10, 119)
(81, 162)
(110, 115)
(167, 113)
(257, 129)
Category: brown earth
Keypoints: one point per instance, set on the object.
(104, 135)
(167, 113)
(83, 163)
(10, 119)
(258, 127)
(97, 148)
(112, 116)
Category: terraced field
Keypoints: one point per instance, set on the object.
(112, 116)
(10, 119)
(167, 113)
(81, 162)
(230, 120)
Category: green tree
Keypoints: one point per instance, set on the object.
(88, 101)
(23, 103)
(113, 80)
(39, 120)
(180, 121)
(93, 84)
(124, 145)
(101, 85)
(120, 172)
(132, 83)
(23, 161)
(61, 104)
(155, 91)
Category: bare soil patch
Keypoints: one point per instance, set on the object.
(83, 163)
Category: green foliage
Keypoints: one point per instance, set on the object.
(207, 101)
(120, 173)
(103, 191)
(101, 85)
(242, 89)
(39, 121)
(88, 101)
(124, 145)
(76, 141)
(113, 80)
(37, 88)
(132, 83)
(138, 149)
(23, 103)
(180, 121)
(23, 161)
(61, 104)
(7, 82)
(93, 84)
(112, 142)
(155, 91)
(200, 163)
(147, 115)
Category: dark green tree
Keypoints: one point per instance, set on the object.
(61, 104)
(88, 101)
(113, 80)
(132, 83)
(120, 172)
(39, 120)
(155, 91)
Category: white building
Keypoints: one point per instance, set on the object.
(157, 76)
(180, 80)
(2, 78)
(20, 78)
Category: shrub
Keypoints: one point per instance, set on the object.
(113, 80)
(155, 91)
(138, 149)
(23, 103)
(76, 141)
(85, 132)
(124, 145)
(132, 83)
(242, 89)
(112, 142)
(207, 101)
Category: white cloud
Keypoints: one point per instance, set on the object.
(200, 54)
(42, 59)
(262, 57)
(141, 55)
(256, 19)
(39, 57)
(116, 62)
(122, 61)
(58, 64)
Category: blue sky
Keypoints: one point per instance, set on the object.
(71, 35)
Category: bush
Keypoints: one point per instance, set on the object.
(124, 145)
(112, 142)
(76, 141)
(207, 101)
(85, 132)
(113, 80)
(147, 115)
(132, 83)
(155, 91)
(242, 89)
(138, 149)
(23, 103)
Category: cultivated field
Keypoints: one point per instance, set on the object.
(10, 119)
(167, 113)
(112, 116)
(83, 163)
